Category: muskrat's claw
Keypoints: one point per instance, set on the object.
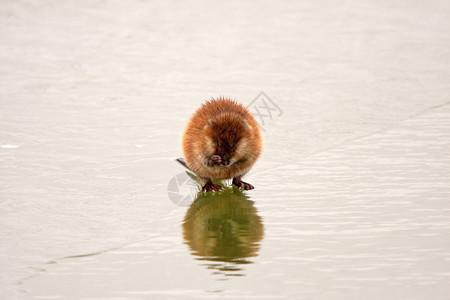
(211, 187)
(242, 185)
(247, 186)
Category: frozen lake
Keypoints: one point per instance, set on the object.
(352, 192)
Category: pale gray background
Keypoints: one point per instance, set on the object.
(353, 186)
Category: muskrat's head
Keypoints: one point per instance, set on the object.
(228, 136)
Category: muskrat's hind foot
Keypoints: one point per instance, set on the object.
(241, 184)
(209, 186)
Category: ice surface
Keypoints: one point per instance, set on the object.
(352, 188)
(7, 146)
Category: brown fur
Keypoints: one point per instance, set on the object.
(225, 129)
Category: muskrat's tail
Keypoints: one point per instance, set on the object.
(183, 162)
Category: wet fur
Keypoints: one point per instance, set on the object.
(221, 141)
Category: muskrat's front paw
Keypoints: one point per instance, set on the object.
(225, 162)
(215, 160)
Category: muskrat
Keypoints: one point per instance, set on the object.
(222, 141)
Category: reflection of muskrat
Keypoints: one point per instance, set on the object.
(224, 229)
(222, 141)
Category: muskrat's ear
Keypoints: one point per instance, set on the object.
(210, 124)
(246, 125)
